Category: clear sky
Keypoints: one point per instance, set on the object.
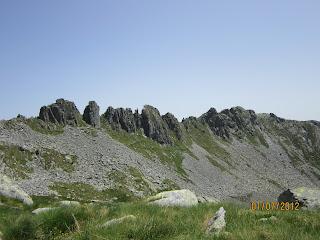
(178, 55)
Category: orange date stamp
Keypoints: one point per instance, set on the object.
(269, 206)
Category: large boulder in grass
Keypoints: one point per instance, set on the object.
(307, 197)
(61, 112)
(10, 190)
(176, 198)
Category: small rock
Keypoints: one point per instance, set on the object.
(69, 203)
(272, 218)
(42, 210)
(118, 221)
(217, 223)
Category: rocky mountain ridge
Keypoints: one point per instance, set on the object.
(232, 154)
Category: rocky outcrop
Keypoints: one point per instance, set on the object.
(10, 190)
(228, 121)
(173, 124)
(307, 197)
(121, 118)
(62, 112)
(178, 198)
(217, 223)
(153, 125)
(91, 114)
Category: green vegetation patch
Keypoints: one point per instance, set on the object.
(257, 139)
(201, 135)
(169, 185)
(43, 127)
(16, 159)
(139, 181)
(53, 159)
(86, 192)
(150, 149)
(158, 223)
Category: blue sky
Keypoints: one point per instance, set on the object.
(178, 55)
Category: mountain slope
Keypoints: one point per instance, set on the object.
(234, 154)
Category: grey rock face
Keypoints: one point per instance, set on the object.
(217, 223)
(230, 121)
(179, 198)
(62, 112)
(307, 197)
(153, 125)
(173, 124)
(121, 118)
(91, 114)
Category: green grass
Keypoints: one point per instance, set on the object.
(43, 127)
(139, 181)
(155, 223)
(53, 159)
(169, 185)
(16, 159)
(200, 134)
(170, 154)
(86, 193)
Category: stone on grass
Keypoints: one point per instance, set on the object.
(179, 198)
(43, 210)
(217, 223)
(118, 221)
(10, 190)
(272, 218)
(69, 203)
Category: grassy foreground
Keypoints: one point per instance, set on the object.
(153, 222)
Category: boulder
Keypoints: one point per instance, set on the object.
(173, 124)
(62, 112)
(179, 198)
(121, 118)
(118, 221)
(217, 223)
(69, 203)
(153, 125)
(43, 210)
(91, 114)
(10, 190)
(307, 197)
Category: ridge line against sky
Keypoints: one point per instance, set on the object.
(181, 56)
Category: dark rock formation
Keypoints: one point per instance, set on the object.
(154, 126)
(276, 118)
(305, 197)
(62, 112)
(91, 114)
(173, 124)
(229, 121)
(121, 118)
